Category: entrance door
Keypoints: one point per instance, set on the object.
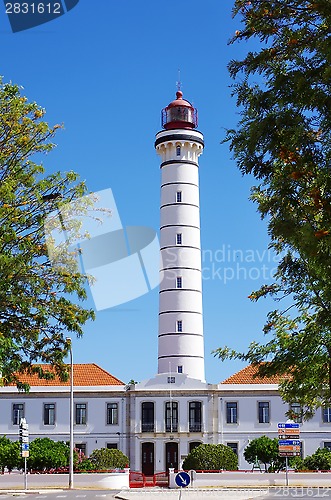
(171, 455)
(147, 454)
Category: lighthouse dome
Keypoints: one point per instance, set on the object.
(179, 114)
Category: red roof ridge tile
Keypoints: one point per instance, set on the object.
(248, 375)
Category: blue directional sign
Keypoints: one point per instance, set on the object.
(289, 425)
(182, 479)
(25, 446)
(289, 442)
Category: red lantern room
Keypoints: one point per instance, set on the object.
(179, 114)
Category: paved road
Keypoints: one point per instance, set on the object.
(160, 494)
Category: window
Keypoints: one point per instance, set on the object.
(234, 447)
(264, 414)
(178, 238)
(177, 150)
(180, 369)
(179, 326)
(18, 413)
(171, 416)
(171, 380)
(327, 445)
(195, 416)
(296, 414)
(178, 196)
(147, 417)
(111, 446)
(326, 414)
(231, 412)
(49, 414)
(193, 444)
(81, 448)
(179, 282)
(112, 413)
(80, 413)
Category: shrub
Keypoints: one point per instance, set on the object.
(211, 457)
(47, 454)
(263, 449)
(106, 458)
(9, 453)
(320, 460)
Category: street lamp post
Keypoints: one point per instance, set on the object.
(71, 419)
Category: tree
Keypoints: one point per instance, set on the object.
(105, 458)
(39, 301)
(283, 90)
(47, 454)
(9, 453)
(320, 460)
(211, 457)
(263, 449)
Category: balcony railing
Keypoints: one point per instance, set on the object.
(147, 427)
(172, 428)
(195, 426)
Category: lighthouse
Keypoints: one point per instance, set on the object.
(180, 336)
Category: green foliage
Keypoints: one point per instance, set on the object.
(106, 458)
(320, 460)
(296, 463)
(211, 457)
(38, 301)
(81, 462)
(47, 454)
(263, 449)
(9, 453)
(283, 90)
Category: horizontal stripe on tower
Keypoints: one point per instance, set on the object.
(176, 312)
(179, 182)
(180, 268)
(178, 137)
(173, 162)
(179, 204)
(180, 356)
(180, 246)
(174, 334)
(180, 225)
(180, 289)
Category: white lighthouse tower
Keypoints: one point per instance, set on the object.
(181, 346)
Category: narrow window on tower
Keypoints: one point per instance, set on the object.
(179, 282)
(179, 326)
(178, 151)
(179, 197)
(180, 369)
(179, 238)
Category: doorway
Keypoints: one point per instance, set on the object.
(147, 455)
(171, 450)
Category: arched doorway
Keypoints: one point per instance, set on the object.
(147, 459)
(171, 450)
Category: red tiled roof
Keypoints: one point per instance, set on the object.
(246, 376)
(88, 374)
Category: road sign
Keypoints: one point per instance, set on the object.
(25, 453)
(25, 446)
(289, 447)
(290, 430)
(182, 479)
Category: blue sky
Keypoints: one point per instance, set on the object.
(105, 70)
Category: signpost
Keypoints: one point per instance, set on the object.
(182, 479)
(289, 444)
(24, 441)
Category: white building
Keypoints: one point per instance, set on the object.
(158, 421)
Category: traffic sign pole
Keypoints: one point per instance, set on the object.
(289, 444)
(24, 441)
